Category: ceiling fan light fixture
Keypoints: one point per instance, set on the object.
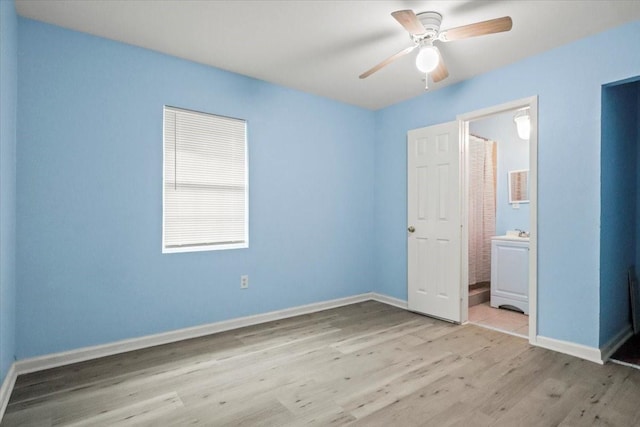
(424, 29)
(428, 58)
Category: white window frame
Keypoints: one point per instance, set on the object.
(204, 247)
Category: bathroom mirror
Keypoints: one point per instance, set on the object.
(519, 186)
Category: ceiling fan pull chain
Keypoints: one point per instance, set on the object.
(426, 81)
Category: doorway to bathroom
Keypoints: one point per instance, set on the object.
(499, 240)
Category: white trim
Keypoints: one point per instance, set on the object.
(533, 220)
(463, 136)
(87, 353)
(615, 343)
(7, 388)
(385, 299)
(203, 248)
(591, 354)
(532, 103)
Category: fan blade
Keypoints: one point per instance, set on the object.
(441, 72)
(386, 62)
(409, 21)
(491, 26)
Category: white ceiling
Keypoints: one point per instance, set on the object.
(321, 47)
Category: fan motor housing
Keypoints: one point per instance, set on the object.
(431, 22)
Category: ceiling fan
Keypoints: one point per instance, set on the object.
(424, 29)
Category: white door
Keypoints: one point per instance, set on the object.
(434, 234)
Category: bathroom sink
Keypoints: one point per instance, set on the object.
(511, 237)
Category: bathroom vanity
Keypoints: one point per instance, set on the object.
(510, 272)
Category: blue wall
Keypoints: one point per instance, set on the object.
(568, 82)
(8, 99)
(90, 267)
(619, 204)
(512, 154)
(89, 262)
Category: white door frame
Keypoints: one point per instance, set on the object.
(464, 119)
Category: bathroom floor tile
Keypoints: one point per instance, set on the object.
(480, 311)
(505, 320)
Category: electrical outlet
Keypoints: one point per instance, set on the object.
(244, 281)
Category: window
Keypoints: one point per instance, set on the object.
(205, 182)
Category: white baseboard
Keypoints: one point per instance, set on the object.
(591, 354)
(7, 388)
(615, 343)
(389, 300)
(55, 360)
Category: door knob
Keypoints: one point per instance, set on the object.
(411, 229)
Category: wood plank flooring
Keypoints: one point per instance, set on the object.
(366, 364)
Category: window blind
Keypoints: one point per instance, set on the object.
(205, 181)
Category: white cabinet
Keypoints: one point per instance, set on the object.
(510, 272)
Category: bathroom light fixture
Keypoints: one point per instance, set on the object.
(523, 123)
(428, 58)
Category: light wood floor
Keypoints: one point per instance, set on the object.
(365, 364)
